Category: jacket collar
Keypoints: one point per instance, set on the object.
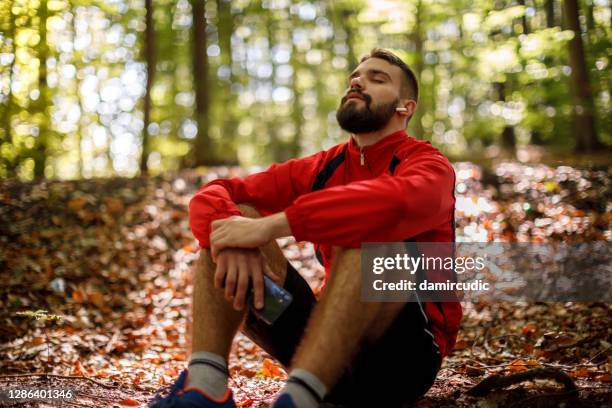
(388, 144)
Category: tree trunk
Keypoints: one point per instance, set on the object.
(508, 140)
(524, 18)
(42, 140)
(229, 121)
(584, 110)
(549, 7)
(202, 146)
(417, 39)
(297, 110)
(149, 57)
(275, 145)
(344, 15)
(7, 135)
(77, 92)
(590, 15)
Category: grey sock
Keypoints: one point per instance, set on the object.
(305, 389)
(208, 371)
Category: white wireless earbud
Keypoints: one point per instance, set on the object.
(401, 109)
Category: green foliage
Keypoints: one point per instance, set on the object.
(277, 69)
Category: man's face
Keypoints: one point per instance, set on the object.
(371, 97)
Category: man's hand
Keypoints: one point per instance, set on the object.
(242, 232)
(235, 267)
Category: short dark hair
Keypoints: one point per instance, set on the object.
(410, 87)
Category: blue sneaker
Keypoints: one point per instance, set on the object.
(192, 397)
(284, 401)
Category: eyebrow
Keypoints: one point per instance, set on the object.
(372, 72)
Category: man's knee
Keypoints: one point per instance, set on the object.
(247, 210)
(346, 257)
(205, 265)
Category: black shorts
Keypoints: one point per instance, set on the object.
(394, 372)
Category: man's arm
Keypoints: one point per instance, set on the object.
(242, 232)
(417, 198)
(270, 192)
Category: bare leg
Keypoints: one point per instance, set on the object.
(340, 323)
(215, 322)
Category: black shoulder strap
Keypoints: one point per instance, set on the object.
(328, 171)
(420, 273)
(393, 164)
(321, 180)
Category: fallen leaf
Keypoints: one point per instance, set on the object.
(522, 365)
(129, 402)
(77, 203)
(530, 329)
(271, 369)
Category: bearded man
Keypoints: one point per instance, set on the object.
(379, 186)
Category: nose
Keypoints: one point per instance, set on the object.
(355, 82)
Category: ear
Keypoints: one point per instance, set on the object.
(410, 105)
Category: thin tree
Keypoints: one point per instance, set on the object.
(7, 117)
(584, 108)
(275, 145)
(549, 7)
(297, 111)
(229, 121)
(202, 147)
(416, 37)
(150, 59)
(524, 22)
(77, 85)
(42, 140)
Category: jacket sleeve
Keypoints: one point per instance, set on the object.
(269, 191)
(418, 197)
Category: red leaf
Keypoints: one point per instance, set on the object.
(130, 402)
(522, 365)
(581, 372)
(271, 369)
(606, 378)
(461, 344)
(246, 403)
(530, 328)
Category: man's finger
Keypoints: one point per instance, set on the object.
(230, 279)
(216, 224)
(217, 244)
(271, 274)
(258, 283)
(243, 284)
(213, 251)
(220, 273)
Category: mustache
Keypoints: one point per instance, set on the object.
(367, 98)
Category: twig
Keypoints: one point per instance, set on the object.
(598, 354)
(76, 377)
(498, 381)
(551, 365)
(484, 336)
(111, 343)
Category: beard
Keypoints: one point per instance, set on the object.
(364, 119)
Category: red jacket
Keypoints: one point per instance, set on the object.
(395, 189)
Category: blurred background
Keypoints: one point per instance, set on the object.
(120, 87)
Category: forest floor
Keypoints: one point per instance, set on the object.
(113, 259)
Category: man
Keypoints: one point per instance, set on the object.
(380, 186)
